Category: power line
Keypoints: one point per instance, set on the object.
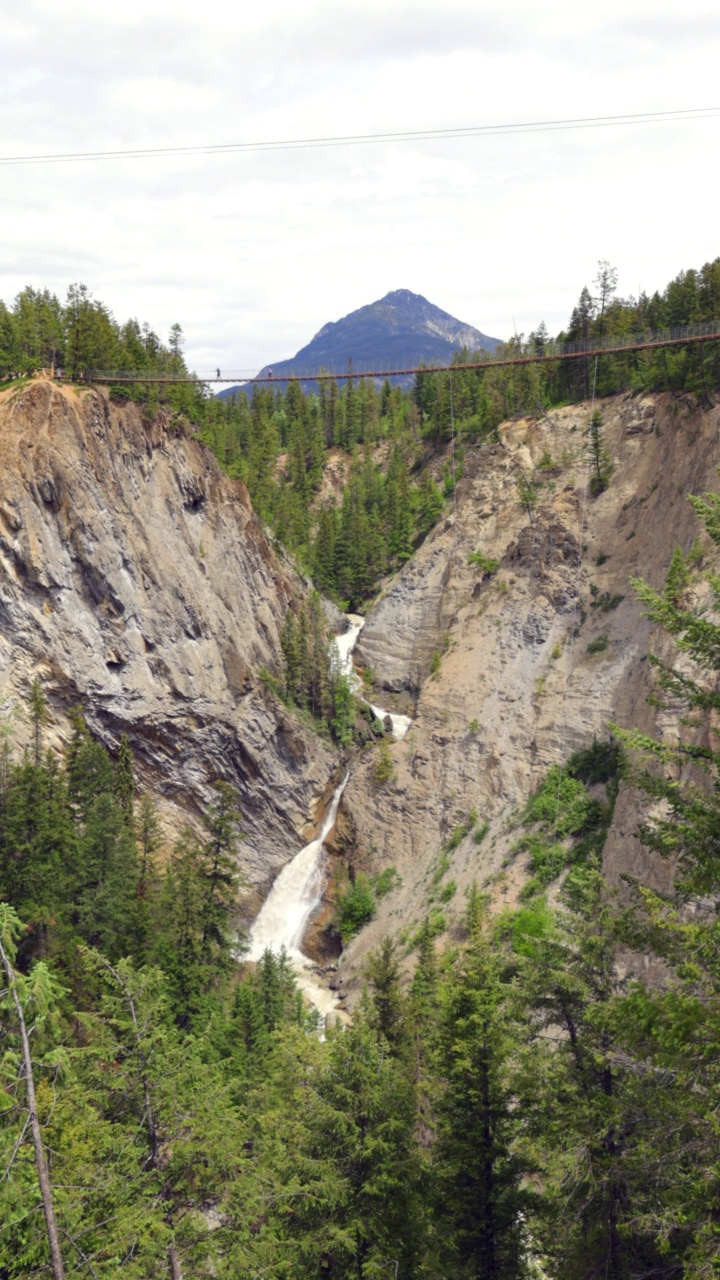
(367, 139)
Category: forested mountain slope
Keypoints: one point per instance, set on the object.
(527, 1088)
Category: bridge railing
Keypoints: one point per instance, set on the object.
(513, 352)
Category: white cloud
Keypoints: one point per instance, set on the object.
(254, 253)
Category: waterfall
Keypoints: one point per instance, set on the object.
(284, 916)
(345, 645)
(297, 891)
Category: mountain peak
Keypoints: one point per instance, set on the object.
(399, 330)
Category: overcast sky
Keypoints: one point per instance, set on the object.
(253, 253)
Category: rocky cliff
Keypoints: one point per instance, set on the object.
(514, 692)
(136, 581)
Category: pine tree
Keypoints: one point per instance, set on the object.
(344, 1163)
(125, 778)
(105, 899)
(37, 703)
(323, 551)
(587, 1145)
(388, 1011)
(600, 460)
(219, 875)
(480, 1200)
(290, 645)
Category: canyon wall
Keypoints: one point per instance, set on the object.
(136, 582)
(512, 692)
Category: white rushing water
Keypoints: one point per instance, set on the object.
(345, 645)
(297, 892)
(286, 911)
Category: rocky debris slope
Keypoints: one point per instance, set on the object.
(136, 581)
(513, 692)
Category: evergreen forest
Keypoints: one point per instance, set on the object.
(350, 476)
(519, 1110)
(524, 1107)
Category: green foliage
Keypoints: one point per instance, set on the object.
(479, 1199)
(448, 891)
(599, 645)
(521, 1109)
(355, 907)
(459, 832)
(527, 493)
(600, 460)
(484, 563)
(678, 578)
(386, 881)
(435, 662)
(312, 679)
(569, 826)
(606, 602)
(384, 765)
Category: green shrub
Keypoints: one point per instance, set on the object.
(457, 835)
(434, 924)
(448, 891)
(696, 554)
(484, 563)
(599, 645)
(605, 602)
(602, 762)
(386, 881)
(561, 802)
(435, 662)
(442, 866)
(355, 908)
(526, 927)
(272, 682)
(384, 767)
(481, 833)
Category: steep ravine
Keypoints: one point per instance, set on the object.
(511, 695)
(136, 581)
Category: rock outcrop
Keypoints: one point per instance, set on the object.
(521, 684)
(136, 581)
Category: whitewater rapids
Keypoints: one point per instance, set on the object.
(297, 891)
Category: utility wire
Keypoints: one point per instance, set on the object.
(365, 139)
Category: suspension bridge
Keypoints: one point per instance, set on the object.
(514, 353)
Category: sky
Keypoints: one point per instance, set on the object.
(253, 253)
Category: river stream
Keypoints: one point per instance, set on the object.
(297, 891)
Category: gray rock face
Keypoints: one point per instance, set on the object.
(136, 581)
(521, 683)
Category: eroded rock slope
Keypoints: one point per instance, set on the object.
(136, 581)
(513, 693)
